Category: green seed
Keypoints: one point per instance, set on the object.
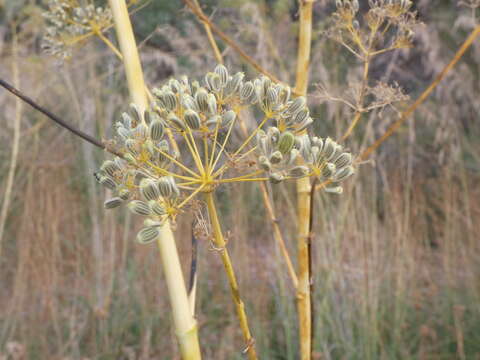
(112, 203)
(139, 207)
(148, 235)
(286, 142)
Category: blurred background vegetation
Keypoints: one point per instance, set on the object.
(396, 257)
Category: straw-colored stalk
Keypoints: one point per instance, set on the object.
(16, 141)
(303, 193)
(185, 323)
(222, 249)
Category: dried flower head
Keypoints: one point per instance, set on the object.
(70, 22)
(182, 145)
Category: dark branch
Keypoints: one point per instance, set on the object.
(56, 119)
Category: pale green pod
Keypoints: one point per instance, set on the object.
(108, 182)
(315, 153)
(175, 189)
(234, 83)
(127, 120)
(132, 147)
(169, 99)
(124, 194)
(343, 160)
(301, 116)
(212, 104)
(157, 208)
(188, 102)
(246, 91)
(149, 147)
(123, 132)
(151, 223)
(176, 122)
(296, 105)
(264, 163)
(334, 190)
(328, 170)
(292, 156)
(119, 162)
(195, 86)
(135, 113)
(130, 158)
(222, 72)
(165, 186)
(299, 171)
(276, 178)
(228, 117)
(271, 98)
(201, 98)
(344, 173)
(112, 203)
(263, 144)
(276, 157)
(213, 81)
(149, 189)
(164, 148)
(156, 129)
(213, 120)
(306, 123)
(284, 94)
(150, 116)
(141, 131)
(192, 119)
(148, 235)
(338, 151)
(139, 207)
(273, 134)
(328, 148)
(286, 142)
(110, 168)
(174, 85)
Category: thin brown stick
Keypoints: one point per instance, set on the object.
(211, 39)
(57, 119)
(205, 20)
(406, 114)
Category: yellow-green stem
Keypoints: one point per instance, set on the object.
(185, 323)
(221, 245)
(303, 192)
(128, 48)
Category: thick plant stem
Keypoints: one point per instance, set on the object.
(303, 193)
(185, 323)
(128, 47)
(221, 245)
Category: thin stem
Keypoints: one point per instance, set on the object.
(204, 19)
(211, 39)
(195, 155)
(221, 181)
(240, 307)
(172, 159)
(191, 196)
(278, 234)
(223, 145)
(406, 114)
(245, 143)
(109, 44)
(168, 173)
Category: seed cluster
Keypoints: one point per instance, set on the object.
(157, 179)
(69, 22)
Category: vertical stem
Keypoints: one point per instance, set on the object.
(185, 323)
(303, 193)
(16, 141)
(128, 47)
(220, 243)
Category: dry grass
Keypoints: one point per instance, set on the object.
(396, 258)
